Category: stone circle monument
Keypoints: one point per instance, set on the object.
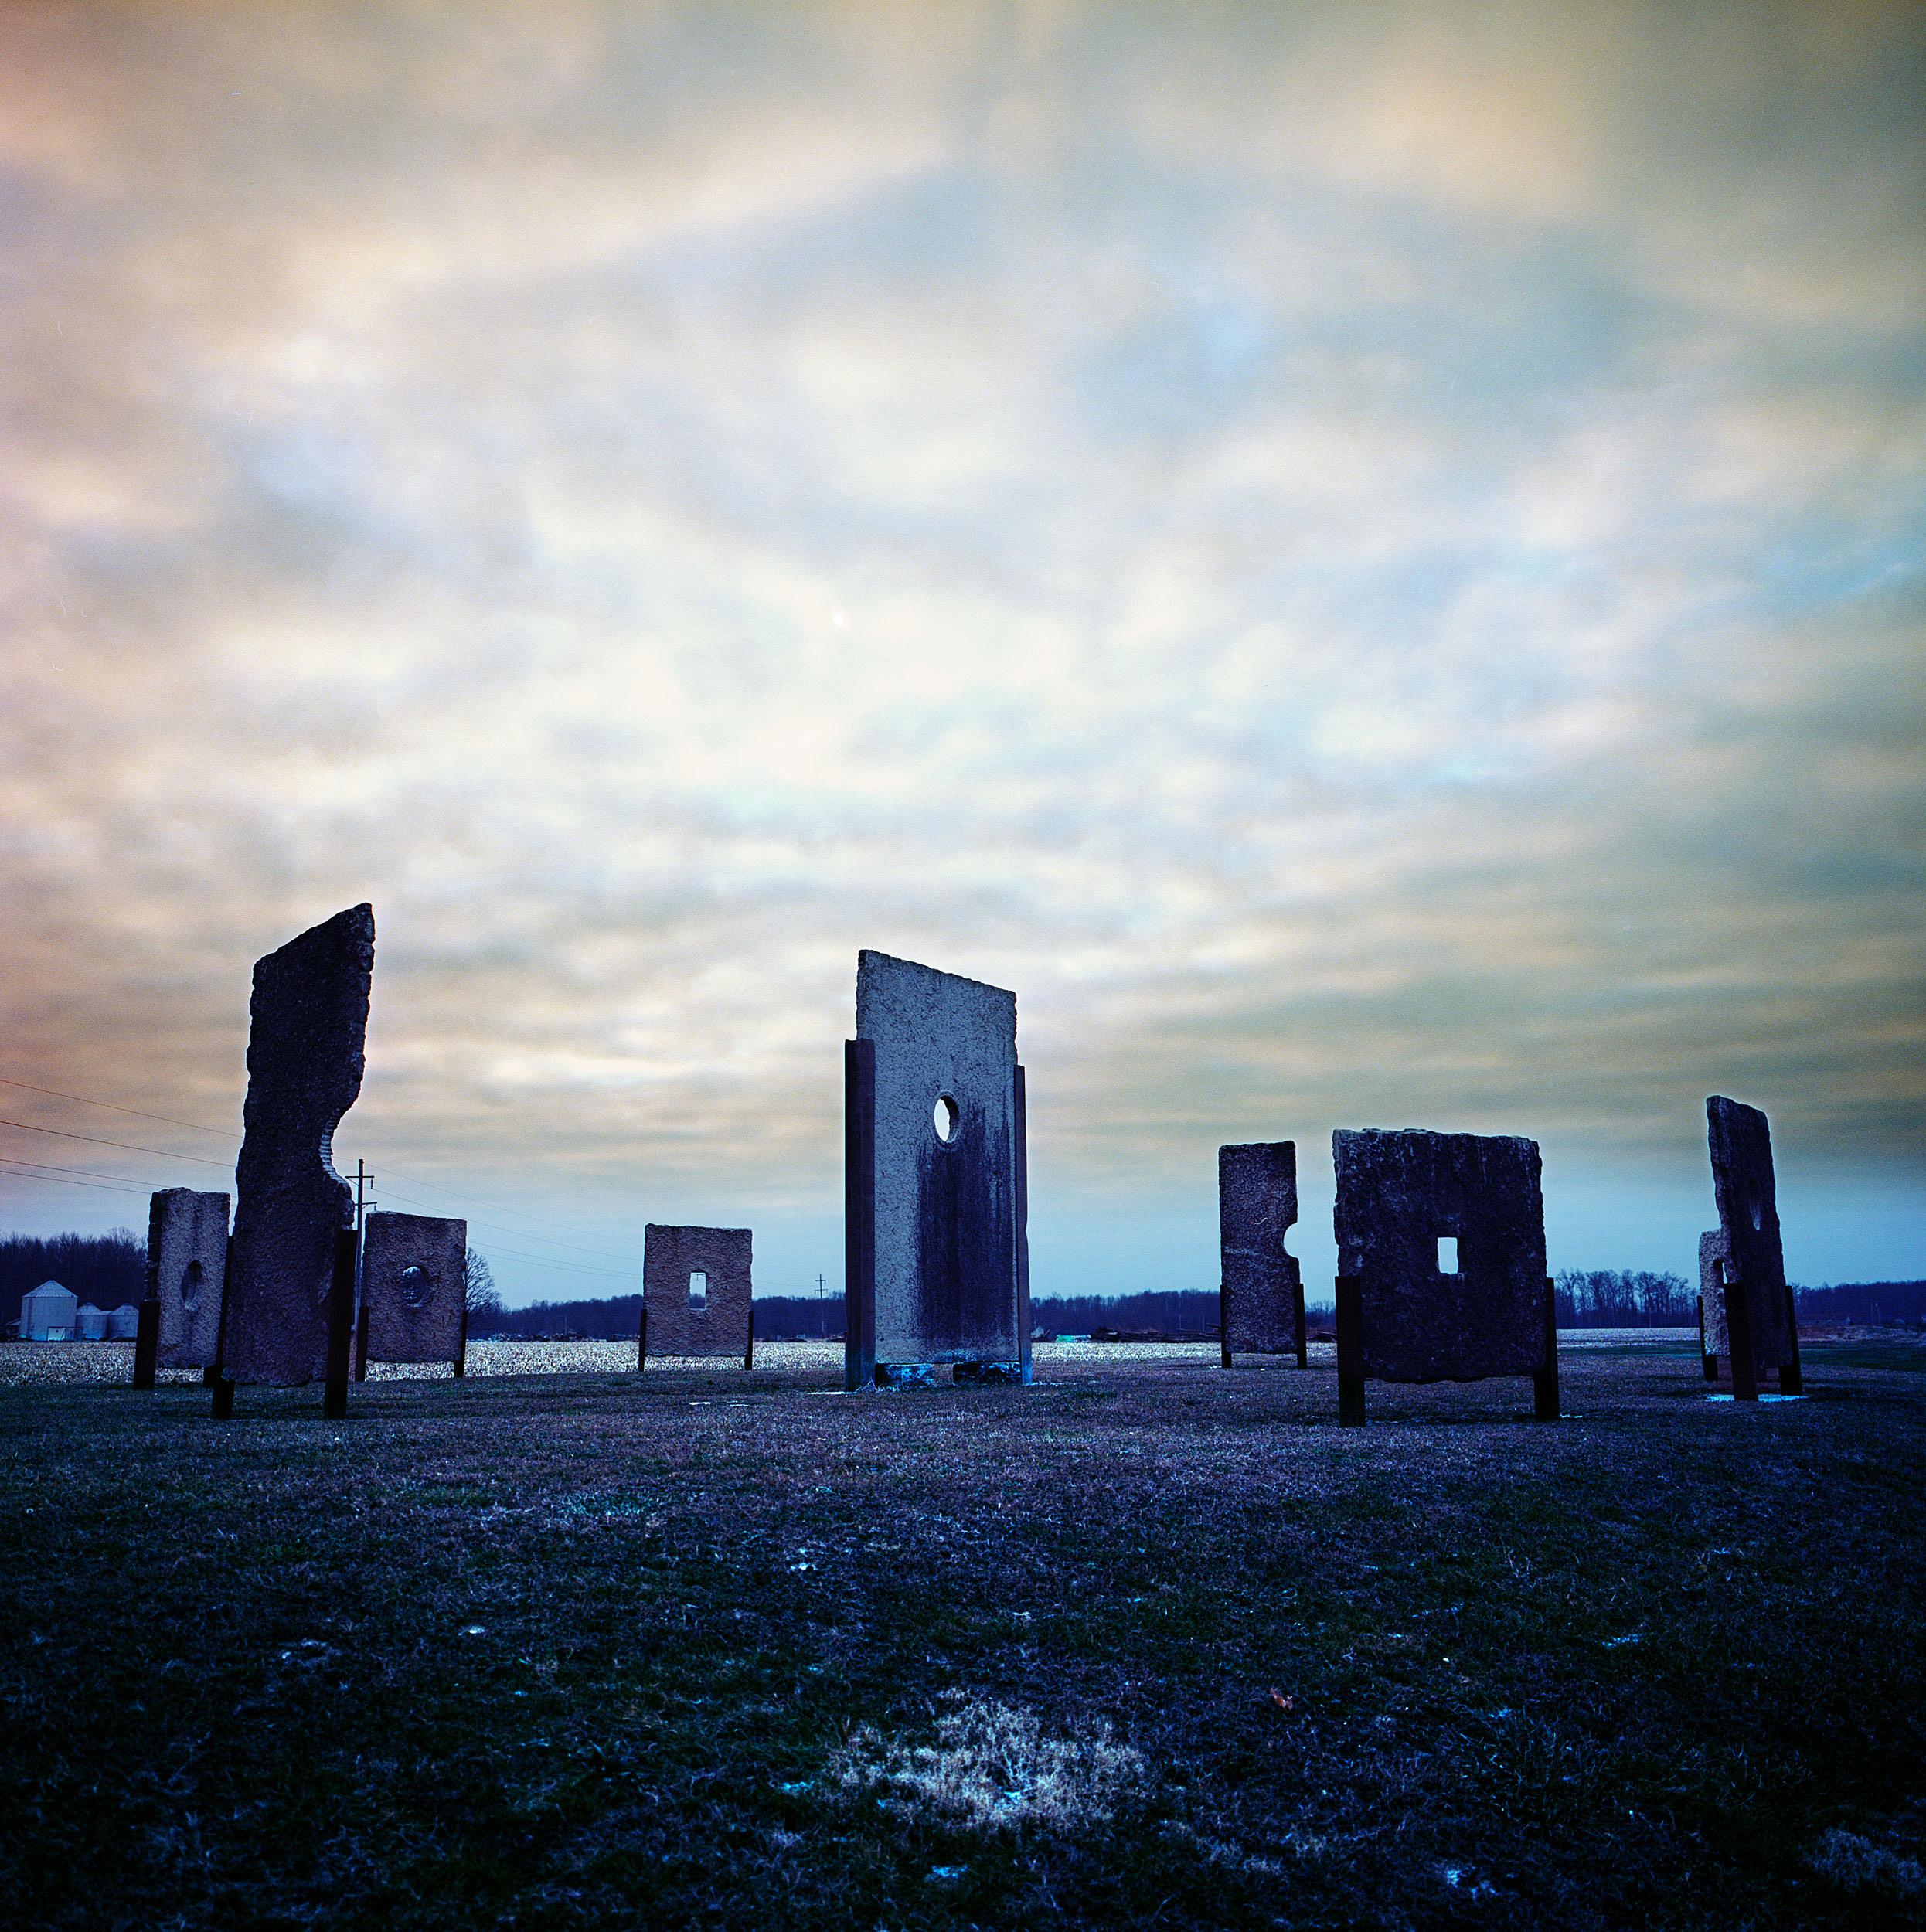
(1410, 1202)
(936, 1242)
(308, 1020)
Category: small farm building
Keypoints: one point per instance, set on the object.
(48, 1314)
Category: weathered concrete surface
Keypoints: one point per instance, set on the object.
(1397, 1192)
(1257, 1206)
(186, 1263)
(949, 1244)
(1739, 1139)
(412, 1286)
(309, 1022)
(670, 1256)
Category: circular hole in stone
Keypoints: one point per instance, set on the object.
(946, 1113)
(416, 1284)
(191, 1277)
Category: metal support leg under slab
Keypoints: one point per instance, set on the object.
(147, 1344)
(1545, 1383)
(1350, 1325)
(340, 1329)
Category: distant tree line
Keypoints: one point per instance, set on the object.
(1894, 1302)
(108, 1269)
(1603, 1298)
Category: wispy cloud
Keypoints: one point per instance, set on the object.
(1367, 564)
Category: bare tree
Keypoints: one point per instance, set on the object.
(478, 1293)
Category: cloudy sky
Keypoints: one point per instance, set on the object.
(1367, 562)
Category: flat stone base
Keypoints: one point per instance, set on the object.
(979, 1373)
(906, 1375)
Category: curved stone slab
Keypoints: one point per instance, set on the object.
(308, 1023)
(948, 1238)
(1257, 1206)
(1398, 1192)
(670, 1256)
(186, 1268)
(1740, 1140)
(411, 1286)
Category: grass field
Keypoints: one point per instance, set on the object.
(1145, 1644)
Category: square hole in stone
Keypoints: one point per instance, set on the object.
(1448, 1254)
(698, 1290)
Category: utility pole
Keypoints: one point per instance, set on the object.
(362, 1181)
(821, 1323)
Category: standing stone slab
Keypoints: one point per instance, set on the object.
(309, 1020)
(947, 1260)
(1746, 1247)
(1257, 1206)
(1399, 1192)
(412, 1287)
(186, 1266)
(670, 1257)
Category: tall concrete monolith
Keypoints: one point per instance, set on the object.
(308, 1020)
(186, 1267)
(937, 1196)
(412, 1286)
(1405, 1199)
(1746, 1247)
(1261, 1301)
(697, 1290)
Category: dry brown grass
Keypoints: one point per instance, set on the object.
(1148, 1642)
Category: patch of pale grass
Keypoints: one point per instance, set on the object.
(1855, 1864)
(992, 1765)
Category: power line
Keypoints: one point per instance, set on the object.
(81, 1099)
(105, 1187)
(87, 1173)
(27, 1087)
(521, 1234)
(128, 1146)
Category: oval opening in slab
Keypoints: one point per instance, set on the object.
(191, 1277)
(944, 1116)
(416, 1284)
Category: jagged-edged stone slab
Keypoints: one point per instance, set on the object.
(672, 1258)
(412, 1286)
(1747, 1248)
(308, 1023)
(1398, 1192)
(1257, 1206)
(948, 1236)
(186, 1266)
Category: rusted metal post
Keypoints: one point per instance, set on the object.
(341, 1327)
(749, 1346)
(1545, 1383)
(1711, 1360)
(1350, 1325)
(858, 1213)
(1223, 1330)
(361, 1342)
(223, 1409)
(462, 1358)
(1738, 1335)
(1791, 1376)
(147, 1344)
(1297, 1315)
(641, 1340)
